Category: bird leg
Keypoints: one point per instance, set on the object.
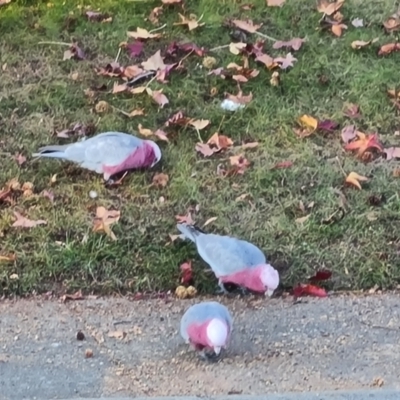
(221, 289)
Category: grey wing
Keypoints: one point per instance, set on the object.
(109, 148)
(227, 255)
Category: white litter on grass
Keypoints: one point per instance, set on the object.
(230, 105)
(357, 22)
(93, 194)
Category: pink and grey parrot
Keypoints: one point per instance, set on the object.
(207, 327)
(233, 260)
(107, 153)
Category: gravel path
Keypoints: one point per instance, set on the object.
(344, 342)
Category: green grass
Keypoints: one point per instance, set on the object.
(38, 95)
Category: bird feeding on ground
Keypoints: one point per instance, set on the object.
(107, 153)
(233, 260)
(207, 326)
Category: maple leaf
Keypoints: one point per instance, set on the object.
(158, 97)
(160, 179)
(96, 16)
(154, 63)
(329, 8)
(308, 126)
(247, 26)
(163, 73)
(392, 152)
(236, 48)
(191, 23)
(74, 52)
(143, 34)
(285, 62)
(135, 49)
(199, 124)
(327, 125)
(294, 43)
(354, 179)
(275, 3)
(267, 60)
(349, 133)
(364, 143)
(389, 48)
(185, 47)
(240, 163)
(104, 218)
(24, 222)
(239, 98)
(186, 273)
(309, 290)
(221, 142)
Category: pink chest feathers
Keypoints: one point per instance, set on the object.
(143, 156)
(198, 334)
(249, 278)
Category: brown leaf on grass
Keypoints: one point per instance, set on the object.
(96, 16)
(136, 112)
(9, 258)
(267, 60)
(74, 52)
(158, 97)
(285, 62)
(185, 219)
(240, 163)
(24, 222)
(77, 129)
(20, 159)
(215, 144)
(191, 23)
(393, 23)
(308, 125)
(135, 49)
(392, 152)
(244, 73)
(160, 179)
(389, 48)
(154, 14)
(143, 34)
(294, 43)
(208, 222)
(337, 29)
(354, 179)
(359, 44)
(185, 47)
(247, 26)
(104, 218)
(250, 145)
(154, 63)
(178, 119)
(111, 69)
(352, 111)
(364, 143)
(327, 7)
(236, 48)
(144, 131)
(349, 133)
(74, 296)
(239, 98)
(199, 124)
(275, 3)
(161, 135)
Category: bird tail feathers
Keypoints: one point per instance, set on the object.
(190, 232)
(55, 151)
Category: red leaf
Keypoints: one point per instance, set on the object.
(135, 48)
(174, 47)
(186, 273)
(327, 125)
(309, 290)
(321, 275)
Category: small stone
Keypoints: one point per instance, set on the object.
(88, 353)
(80, 335)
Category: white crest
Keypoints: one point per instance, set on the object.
(270, 277)
(217, 333)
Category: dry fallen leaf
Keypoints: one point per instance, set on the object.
(247, 26)
(388, 49)
(8, 258)
(393, 23)
(240, 163)
(301, 220)
(159, 97)
(74, 296)
(308, 126)
(359, 44)
(294, 43)
(104, 218)
(199, 124)
(392, 152)
(23, 222)
(364, 143)
(154, 63)
(212, 219)
(143, 34)
(337, 29)
(160, 179)
(236, 48)
(191, 23)
(285, 62)
(275, 3)
(327, 7)
(239, 98)
(186, 219)
(354, 179)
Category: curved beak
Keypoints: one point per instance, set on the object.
(217, 350)
(270, 292)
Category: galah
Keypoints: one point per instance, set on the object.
(207, 326)
(233, 260)
(107, 153)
